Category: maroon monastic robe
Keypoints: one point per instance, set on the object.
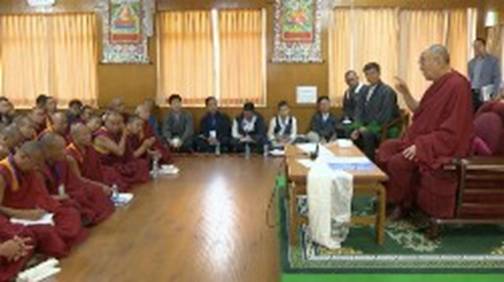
(132, 170)
(442, 130)
(9, 270)
(26, 190)
(494, 106)
(88, 198)
(166, 157)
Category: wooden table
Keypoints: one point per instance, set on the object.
(367, 182)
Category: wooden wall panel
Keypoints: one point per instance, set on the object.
(135, 82)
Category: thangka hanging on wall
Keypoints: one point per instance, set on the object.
(297, 31)
(126, 26)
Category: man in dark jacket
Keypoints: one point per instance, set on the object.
(376, 108)
(323, 124)
(215, 129)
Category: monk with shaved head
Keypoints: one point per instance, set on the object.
(63, 177)
(23, 194)
(441, 130)
(111, 143)
(59, 125)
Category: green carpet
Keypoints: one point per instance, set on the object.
(406, 255)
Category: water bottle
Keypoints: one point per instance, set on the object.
(247, 151)
(155, 168)
(115, 192)
(217, 149)
(265, 150)
(61, 190)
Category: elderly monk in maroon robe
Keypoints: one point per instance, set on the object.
(143, 111)
(111, 144)
(92, 198)
(137, 146)
(81, 150)
(38, 117)
(59, 126)
(441, 130)
(23, 195)
(16, 248)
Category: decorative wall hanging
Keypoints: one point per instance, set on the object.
(297, 31)
(126, 26)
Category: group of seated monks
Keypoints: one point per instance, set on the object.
(68, 163)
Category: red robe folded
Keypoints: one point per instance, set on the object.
(494, 106)
(166, 157)
(442, 130)
(132, 171)
(88, 198)
(9, 270)
(26, 190)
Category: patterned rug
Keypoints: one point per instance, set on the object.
(475, 249)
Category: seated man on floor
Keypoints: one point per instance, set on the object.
(138, 146)
(26, 127)
(178, 126)
(94, 123)
(74, 111)
(117, 105)
(249, 130)
(23, 195)
(283, 127)
(323, 124)
(111, 144)
(147, 132)
(38, 118)
(376, 108)
(63, 178)
(11, 138)
(6, 115)
(215, 129)
(441, 130)
(59, 126)
(16, 248)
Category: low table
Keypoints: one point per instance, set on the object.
(367, 182)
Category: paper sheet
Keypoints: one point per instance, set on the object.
(46, 219)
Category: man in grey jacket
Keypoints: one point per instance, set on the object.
(484, 71)
(178, 126)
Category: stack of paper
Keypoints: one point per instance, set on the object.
(46, 219)
(122, 199)
(42, 272)
(169, 170)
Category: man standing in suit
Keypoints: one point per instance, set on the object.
(355, 91)
(484, 71)
(376, 108)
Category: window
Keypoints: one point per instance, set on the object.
(212, 53)
(51, 54)
(397, 39)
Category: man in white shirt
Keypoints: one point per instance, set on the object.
(282, 127)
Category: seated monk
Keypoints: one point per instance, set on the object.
(137, 146)
(11, 137)
(92, 198)
(111, 144)
(148, 132)
(117, 105)
(23, 194)
(16, 248)
(81, 150)
(26, 127)
(38, 117)
(59, 125)
(94, 123)
(496, 106)
(441, 130)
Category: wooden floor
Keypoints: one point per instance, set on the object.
(207, 224)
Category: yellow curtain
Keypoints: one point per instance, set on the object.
(55, 55)
(242, 57)
(494, 40)
(461, 33)
(419, 30)
(340, 36)
(353, 45)
(185, 56)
